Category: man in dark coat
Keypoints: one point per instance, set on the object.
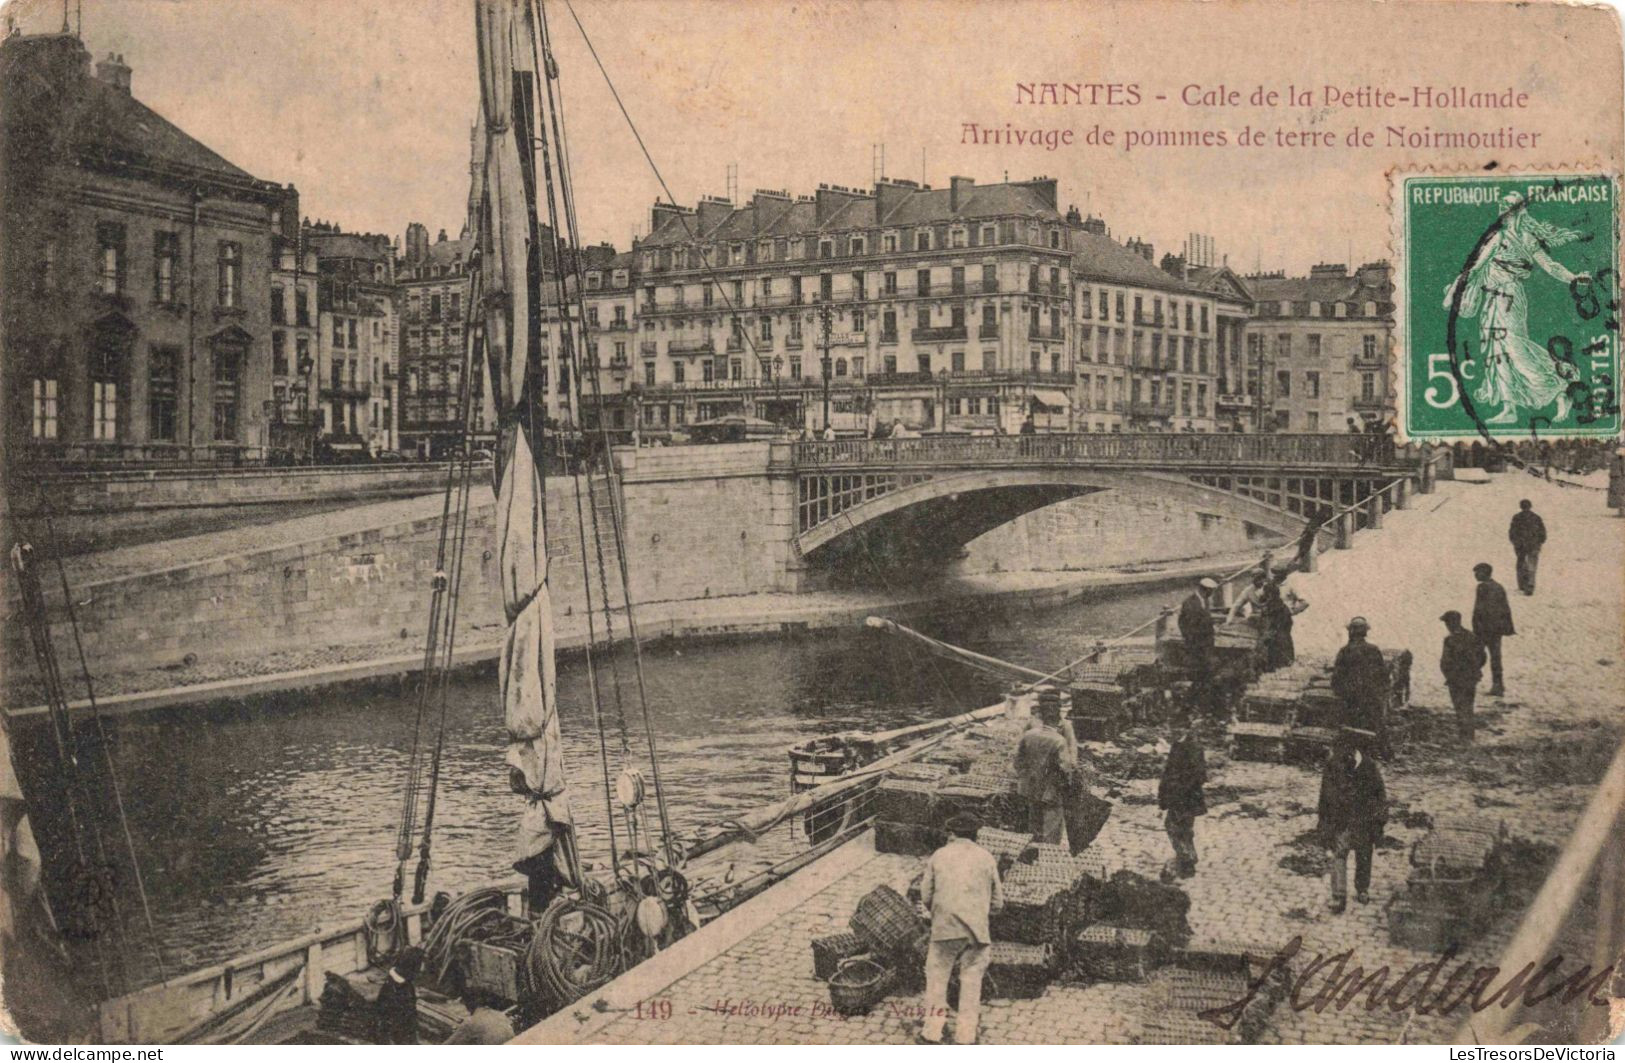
(1197, 630)
(1353, 812)
(1528, 535)
(1462, 663)
(1360, 681)
(1179, 795)
(1492, 621)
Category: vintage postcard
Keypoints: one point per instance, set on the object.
(838, 522)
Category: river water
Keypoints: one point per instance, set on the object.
(258, 825)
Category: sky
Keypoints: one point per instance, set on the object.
(366, 105)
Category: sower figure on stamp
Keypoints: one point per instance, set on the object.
(1353, 812)
(960, 888)
(1462, 662)
(1528, 534)
(1360, 681)
(1197, 631)
(1045, 762)
(1516, 371)
(1179, 795)
(1492, 621)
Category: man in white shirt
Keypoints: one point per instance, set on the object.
(960, 888)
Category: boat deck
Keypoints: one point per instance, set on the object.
(748, 978)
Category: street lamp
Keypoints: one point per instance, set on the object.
(824, 318)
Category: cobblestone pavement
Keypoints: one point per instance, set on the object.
(1534, 768)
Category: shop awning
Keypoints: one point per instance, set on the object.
(1055, 400)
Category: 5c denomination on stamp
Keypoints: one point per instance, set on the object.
(1508, 305)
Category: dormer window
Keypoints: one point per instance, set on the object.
(1055, 238)
(826, 249)
(889, 242)
(595, 280)
(956, 238)
(859, 245)
(764, 251)
(680, 257)
(795, 247)
(620, 278)
(648, 262)
(736, 255)
(922, 240)
(989, 235)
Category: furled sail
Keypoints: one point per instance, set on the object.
(536, 767)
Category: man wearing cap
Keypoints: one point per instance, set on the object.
(1353, 812)
(1528, 534)
(1179, 795)
(1360, 681)
(1492, 621)
(960, 888)
(1196, 629)
(1044, 764)
(1462, 663)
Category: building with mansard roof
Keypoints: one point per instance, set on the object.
(945, 308)
(1323, 343)
(135, 286)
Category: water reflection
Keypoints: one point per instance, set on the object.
(259, 824)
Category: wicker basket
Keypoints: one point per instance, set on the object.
(1115, 954)
(1455, 850)
(1018, 972)
(1004, 843)
(830, 950)
(886, 921)
(907, 839)
(1259, 741)
(906, 801)
(858, 984)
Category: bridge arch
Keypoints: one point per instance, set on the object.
(945, 510)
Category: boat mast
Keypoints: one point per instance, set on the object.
(510, 267)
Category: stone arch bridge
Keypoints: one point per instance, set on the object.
(853, 505)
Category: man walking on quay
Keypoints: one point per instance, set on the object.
(1462, 663)
(1360, 681)
(1492, 621)
(960, 888)
(1353, 812)
(1197, 631)
(1179, 795)
(1528, 534)
(1044, 765)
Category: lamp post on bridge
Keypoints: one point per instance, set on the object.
(824, 320)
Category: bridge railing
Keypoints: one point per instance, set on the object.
(1148, 448)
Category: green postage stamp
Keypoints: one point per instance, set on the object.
(1508, 305)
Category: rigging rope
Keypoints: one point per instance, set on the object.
(566, 193)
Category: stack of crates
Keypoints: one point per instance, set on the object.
(1455, 881)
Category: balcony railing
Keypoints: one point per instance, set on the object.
(650, 347)
(1375, 402)
(896, 379)
(1158, 448)
(1045, 334)
(938, 333)
(888, 337)
(1235, 402)
(351, 390)
(1143, 408)
(688, 347)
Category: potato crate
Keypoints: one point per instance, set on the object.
(906, 801)
(1427, 924)
(1309, 743)
(1038, 905)
(1175, 1000)
(1018, 972)
(1320, 709)
(1272, 707)
(1259, 741)
(1104, 953)
(1097, 695)
(886, 921)
(828, 952)
(1005, 843)
(1099, 726)
(908, 839)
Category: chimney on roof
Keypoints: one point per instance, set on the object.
(958, 192)
(1045, 188)
(1329, 269)
(663, 212)
(441, 238)
(1095, 225)
(714, 210)
(115, 72)
(889, 195)
(1175, 265)
(1141, 248)
(828, 201)
(1074, 216)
